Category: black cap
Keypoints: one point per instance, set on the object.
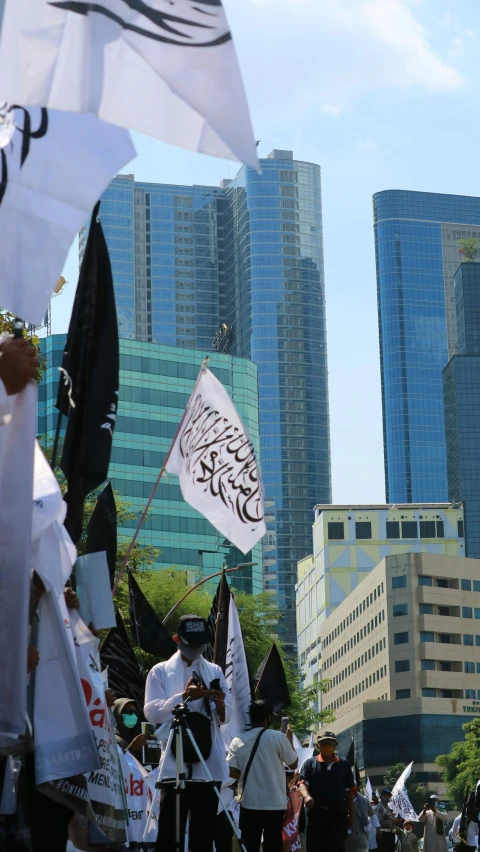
(327, 737)
(387, 792)
(193, 630)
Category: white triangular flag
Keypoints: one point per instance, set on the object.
(368, 790)
(400, 803)
(53, 168)
(215, 461)
(236, 675)
(167, 69)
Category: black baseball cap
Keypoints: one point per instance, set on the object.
(193, 630)
(327, 737)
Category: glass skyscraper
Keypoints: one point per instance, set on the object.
(155, 385)
(247, 254)
(416, 246)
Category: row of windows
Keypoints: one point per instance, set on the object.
(429, 692)
(355, 614)
(469, 667)
(358, 663)
(409, 529)
(446, 638)
(362, 633)
(371, 680)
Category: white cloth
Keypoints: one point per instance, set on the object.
(165, 686)
(433, 842)
(237, 677)
(472, 831)
(265, 789)
(372, 831)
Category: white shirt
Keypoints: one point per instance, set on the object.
(266, 787)
(472, 831)
(165, 686)
(372, 831)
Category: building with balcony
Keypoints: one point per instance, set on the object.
(402, 657)
(348, 542)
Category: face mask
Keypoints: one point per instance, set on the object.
(129, 719)
(327, 750)
(191, 653)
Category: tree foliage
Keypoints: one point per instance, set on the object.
(460, 769)
(469, 248)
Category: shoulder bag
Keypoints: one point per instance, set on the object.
(250, 761)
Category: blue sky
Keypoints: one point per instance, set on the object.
(383, 94)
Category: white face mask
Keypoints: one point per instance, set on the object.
(191, 653)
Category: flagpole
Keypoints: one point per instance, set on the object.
(204, 580)
(132, 603)
(154, 489)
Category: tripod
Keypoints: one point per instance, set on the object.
(180, 725)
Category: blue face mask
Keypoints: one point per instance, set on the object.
(129, 719)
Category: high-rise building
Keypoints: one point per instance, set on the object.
(462, 405)
(416, 243)
(402, 657)
(246, 258)
(348, 542)
(155, 385)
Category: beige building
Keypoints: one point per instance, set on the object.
(402, 656)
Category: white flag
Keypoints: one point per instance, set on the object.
(236, 675)
(368, 790)
(400, 803)
(53, 168)
(304, 752)
(167, 69)
(215, 461)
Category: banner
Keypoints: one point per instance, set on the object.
(215, 461)
(53, 168)
(290, 832)
(271, 681)
(139, 801)
(165, 69)
(368, 790)
(400, 803)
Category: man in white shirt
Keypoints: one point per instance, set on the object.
(187, 676)
(264, 789)
(472, 832)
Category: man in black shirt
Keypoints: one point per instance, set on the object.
(328, 789)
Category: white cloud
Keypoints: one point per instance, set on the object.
(329, 109)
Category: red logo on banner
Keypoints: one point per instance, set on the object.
(98, 715)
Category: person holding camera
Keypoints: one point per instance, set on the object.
(434, 839)
(187, 678)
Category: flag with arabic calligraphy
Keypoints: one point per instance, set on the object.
(167, 68)
(400, 803)
(215, 461)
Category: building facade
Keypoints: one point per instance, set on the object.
(402, 656)
(416, 246)
(348, 542)
(461, 378)
(249, 255)
(155, 385)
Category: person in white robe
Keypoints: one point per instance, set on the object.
(434, 839)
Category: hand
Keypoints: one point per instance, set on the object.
(194, 691)
(309, 803)
(18, 364)
(110, 697)
(138, 742)
(218, 696)
(289, 735)
(33, 658)
(71, 598)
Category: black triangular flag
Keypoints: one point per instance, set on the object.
(350, 756)
(271, 681)
(102, 529)
(147, 628)
(124, 675)
(88, 391)
(219, 626)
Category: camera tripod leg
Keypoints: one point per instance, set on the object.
(179, 788)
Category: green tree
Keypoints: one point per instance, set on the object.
(469, 248)
(417, 793)
(460, 769)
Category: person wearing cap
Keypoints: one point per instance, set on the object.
(434, 820)
(328, 790)
(187, 677)
(386, 818)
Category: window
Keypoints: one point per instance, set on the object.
(402, 693)
(428, 665)
(466, 585)
(440, 530)
(402, 665)
(461, 533)
(467, 612)
(425, 581)
(469, 693)
(477, 641)
(477, 612)
(335, 530)
(476, 585)
(427, 692)
(400, 609)
(400, 638)
(426, 609)
(427, 636)
(445, 666)
(444, 638)
(399, 582)
(427, 529)
(469, 668)
(393, 529)
(409, 529)
(467, 639)
(443, 610)
(363, 529)
(478, 668)
(442, 583)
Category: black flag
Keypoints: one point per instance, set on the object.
(147, 628)
(88, 391)
(102, 529)
(124, 675)
(219, 626)
(271, 681)
(350, 756)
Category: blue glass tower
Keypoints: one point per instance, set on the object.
(416, 246)
(248, 254)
